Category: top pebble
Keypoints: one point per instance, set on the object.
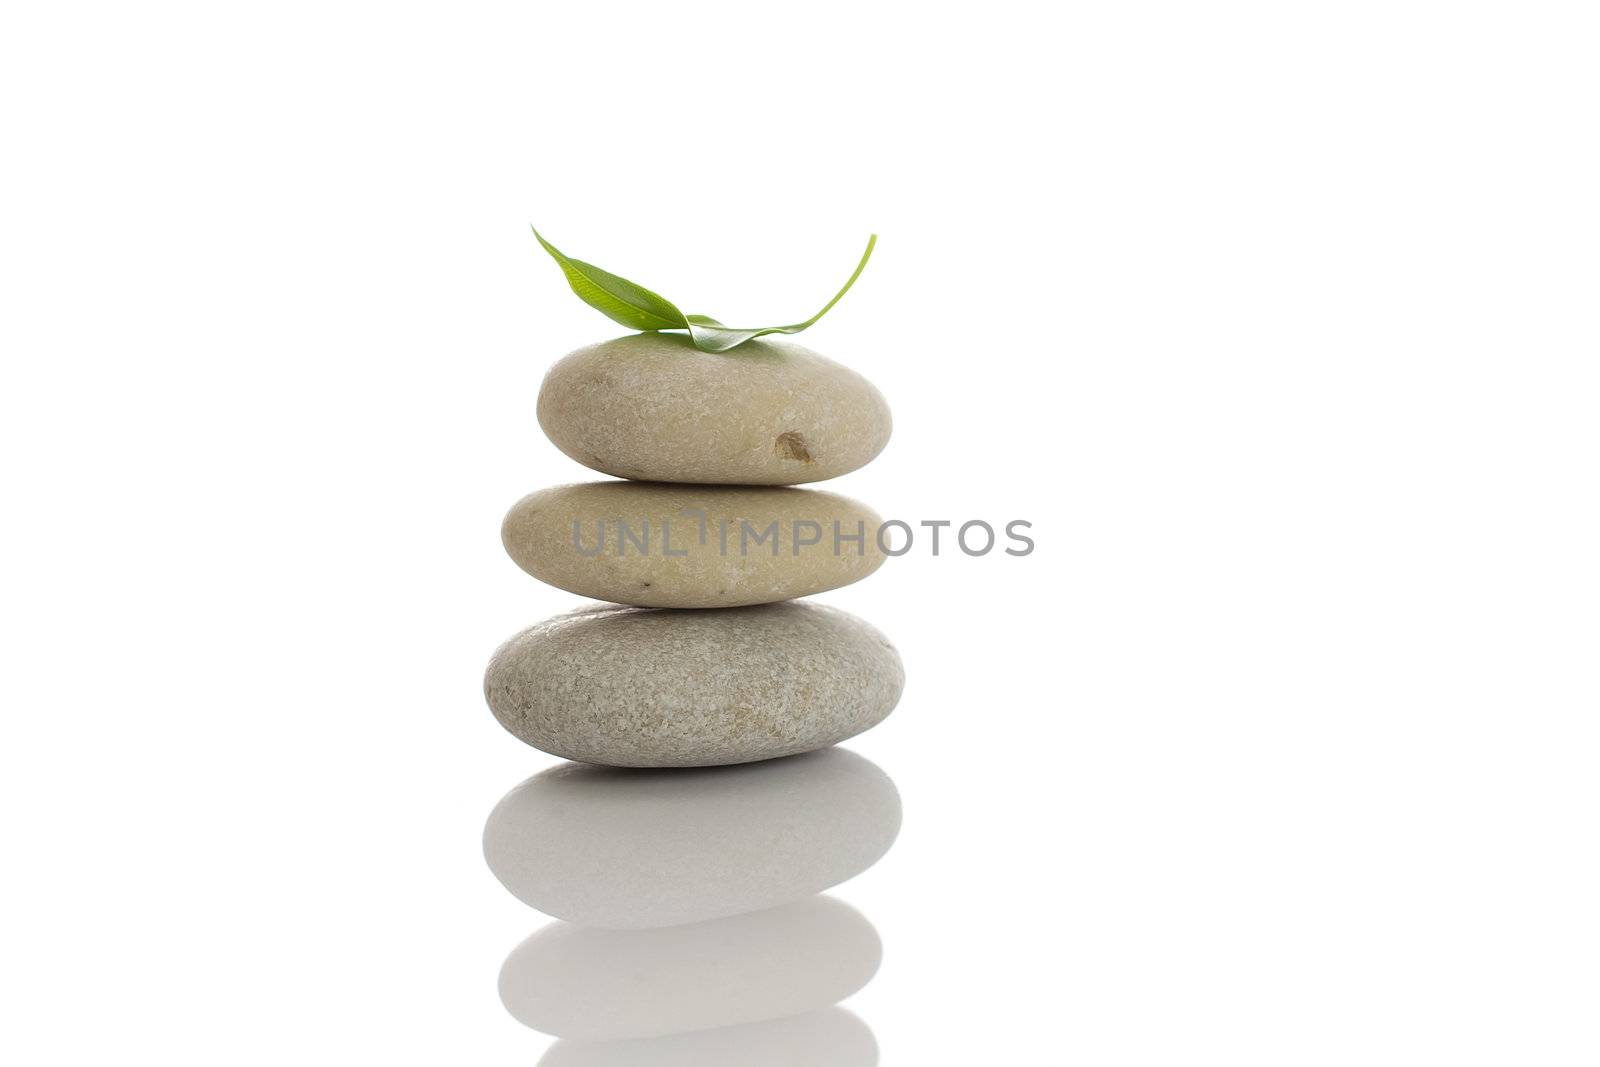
(652, 407)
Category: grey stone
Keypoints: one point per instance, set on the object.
(652, 687)
(652, 407)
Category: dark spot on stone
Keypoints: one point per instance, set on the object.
(791, 445)
(647, 585)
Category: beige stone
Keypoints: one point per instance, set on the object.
(654, 687)
(652, 407)
(678, 546)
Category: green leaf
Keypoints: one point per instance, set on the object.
(709, 335)
(617, 298)
(633, 305)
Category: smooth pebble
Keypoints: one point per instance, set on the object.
(652, 407)
(655, 687)
(675, 546)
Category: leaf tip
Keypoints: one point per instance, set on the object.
(548, 247)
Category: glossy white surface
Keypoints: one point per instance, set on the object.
(1277, 320)
(829, 1038)
(604, 985)
(638, 848)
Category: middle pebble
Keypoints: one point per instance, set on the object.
(665, 545)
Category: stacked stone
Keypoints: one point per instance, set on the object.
(704, 656)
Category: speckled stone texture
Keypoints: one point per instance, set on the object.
(757, 549)
(652, 687)
(636, 849)
(652, 407)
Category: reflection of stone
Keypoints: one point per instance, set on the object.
(828, 1038)
(610, 985)
(639, 848)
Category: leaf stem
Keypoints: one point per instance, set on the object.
(872, 241)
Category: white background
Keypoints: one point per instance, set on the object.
(1276, 319)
